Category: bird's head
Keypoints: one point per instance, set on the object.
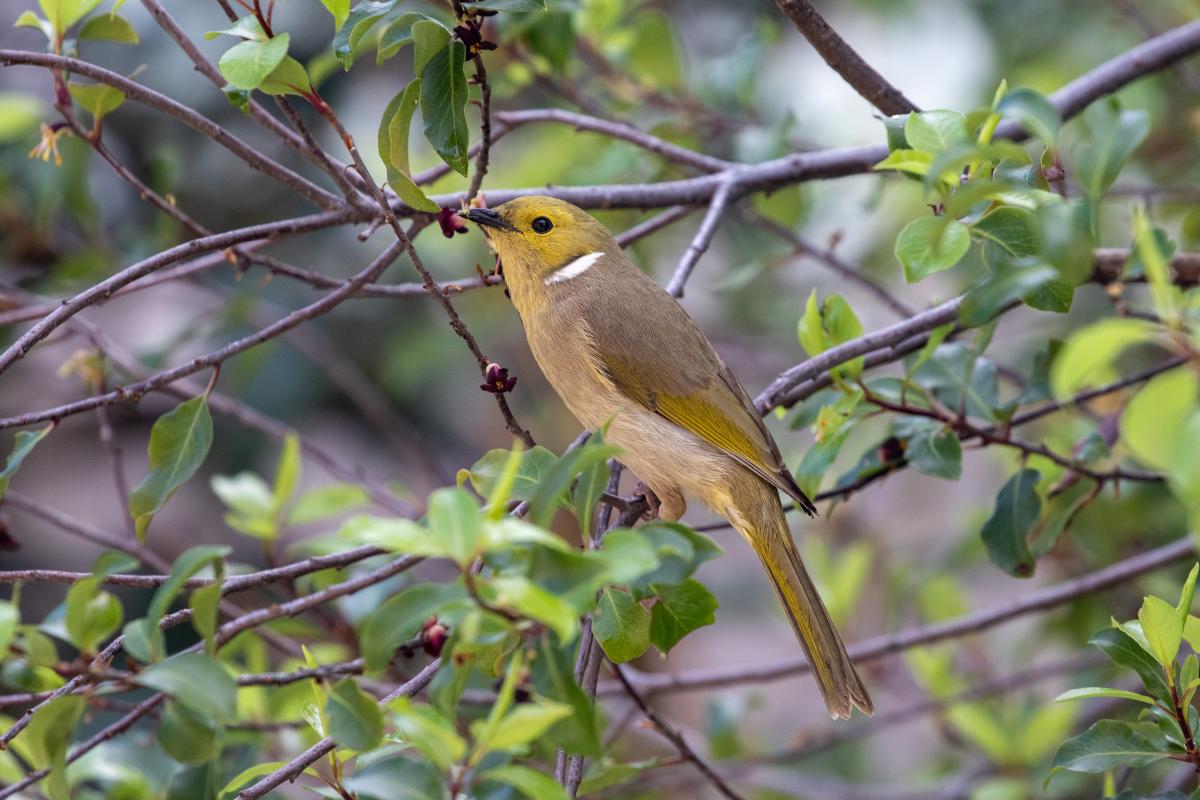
(543, 241)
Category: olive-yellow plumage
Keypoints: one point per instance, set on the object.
(618, 349)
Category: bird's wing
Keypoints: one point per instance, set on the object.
(668, 366)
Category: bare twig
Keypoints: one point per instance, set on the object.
(716, 210)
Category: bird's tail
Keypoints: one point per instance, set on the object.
(760, 520)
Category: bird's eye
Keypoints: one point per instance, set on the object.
(542, 225)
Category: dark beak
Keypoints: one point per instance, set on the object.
(487, 218)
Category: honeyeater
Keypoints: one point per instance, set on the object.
(618, 349)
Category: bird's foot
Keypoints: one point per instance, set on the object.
(653, 504)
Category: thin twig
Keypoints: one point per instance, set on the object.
(704, 236)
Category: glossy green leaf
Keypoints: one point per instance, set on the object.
(1106, 745)
(1156, 415)
(914, 162)
(678, 610)
(443, 104)
(1124, 651)
(91, 614)
(1162, 627)
(396, 33)
(247, 64)
(197, 681)
(827, 325)
(1092, 692)
(534, 466)
(393, 146)
(1005, 533)
(552, 490)
(356, 25)
(430, 38)
(935, 451)
(179, 441)
(1010, 281)
(524, 724)
(23, 443)
(553, 676)
(589, 487)
(455, 520)
(928, 245)
(529, 782)
(247, 27)
(327, 501)
(98, 99)
(621, 625)
(355, 719)
(110, 28)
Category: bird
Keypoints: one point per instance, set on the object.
(620, 351)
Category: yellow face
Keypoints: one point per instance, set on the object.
(534, 236)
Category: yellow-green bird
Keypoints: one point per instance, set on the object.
(616, 346)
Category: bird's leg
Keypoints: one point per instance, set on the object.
(665, 503)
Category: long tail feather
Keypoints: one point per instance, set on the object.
(762, 523)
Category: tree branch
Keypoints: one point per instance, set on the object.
(839, 55)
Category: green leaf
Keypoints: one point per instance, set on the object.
(399, 619)
(1106, 745)
(23, 443)
(507, 5)
(443, 104)
(10, 617)
(936, 452)
(186, 735)
(1115, 135)
(528, 782)
(1033, 112)
(247, 27)
(143, 639)
(1086, 358)
(197, 681)
(958, 376)
(20, 113)
(179, 441)
(589, 487)
(915, 162)
(28, 19)
(1163, 629)
(91, 614)
(1091, 692)
(621, 625)
(289, 77)
(937, 130)
(109, 27)
(1153, 419)
(247, 64)
(553, 487)
(396, 33)
(828, 325)
(355, 719)
(393, 147)
(1054, 296)
(357, 24)
(340, 9)
(930, 245)
(327, 501)
(251, 504)
(396, 779)
(204, 603)
(430, 38)
(1004, 534)
(606, 773)
(524, 724)
(1124, 651)
(1014, 229)
(534, 466)
(47, 737)
(679, 549)
(426, 729)
(553, 676)
(629, 555)
(98, 99)
(680, 609)
(62, 14)
(532, 601)
(455, 520)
